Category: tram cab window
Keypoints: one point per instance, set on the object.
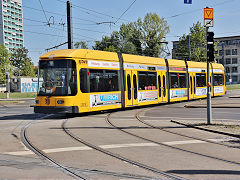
(178, 80)
(147, 80)
(218, 79)
(57, 78)
(99, 80)
(201, 79)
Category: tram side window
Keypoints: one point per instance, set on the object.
(83, 80)
(201, 79)
(178, 80)
(111, 80)
(99, 80)
(218, 79)
(147, 80)
(96, 77)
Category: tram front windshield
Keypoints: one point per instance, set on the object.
(57, 78)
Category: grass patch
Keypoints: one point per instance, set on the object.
(17, 95)
(233, 87)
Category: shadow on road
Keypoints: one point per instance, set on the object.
(204, 172)
(31, 116)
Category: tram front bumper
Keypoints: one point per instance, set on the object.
(55, 109)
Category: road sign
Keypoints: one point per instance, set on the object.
(187, 1)
(208, 22)
(208, 13)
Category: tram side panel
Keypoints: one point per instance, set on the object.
(100, 88)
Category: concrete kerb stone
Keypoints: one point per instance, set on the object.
(17, 102)
(207, 129)
(17, 99)
(213, 106)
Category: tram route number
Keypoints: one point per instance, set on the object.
(82, 61)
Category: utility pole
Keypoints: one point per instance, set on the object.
(188, 47)
(69, 25)
(7, 83)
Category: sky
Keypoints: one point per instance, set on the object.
(44, 21)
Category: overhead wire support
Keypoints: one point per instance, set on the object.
(45, 14)
(125, 11)
(54, 47)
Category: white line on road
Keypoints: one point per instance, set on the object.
(182, 118)
(113, 146)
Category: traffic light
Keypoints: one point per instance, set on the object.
(210, 46)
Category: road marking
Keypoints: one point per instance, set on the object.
(180, 118)
(114, 146)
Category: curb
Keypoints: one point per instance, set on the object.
(209, 130)
(199, 106)
(20, 99)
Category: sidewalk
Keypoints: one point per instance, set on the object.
(225, 127)
(17, 102)
(230, 100)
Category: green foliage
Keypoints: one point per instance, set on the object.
(143, 37)
(233, 87)
(5, 64)
(28, 69)
(81, 45)
(153, 29)
(197, 43)
(36, 70)
(22, 62)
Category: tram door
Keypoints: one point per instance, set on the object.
(162, 87)
(131, 93)
(192, 85)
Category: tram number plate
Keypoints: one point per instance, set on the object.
(83, 61)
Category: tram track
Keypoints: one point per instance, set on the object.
(26, 141)
(169, 146)
(117, 156)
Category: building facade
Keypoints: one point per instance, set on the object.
(11, 24)
(228, 54)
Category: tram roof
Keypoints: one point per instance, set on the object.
(101, 55)
(217, 66)
(80, 53)
(128, 58)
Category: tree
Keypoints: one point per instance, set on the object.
(36, 70)
(81, 45)
(143, 37)
(153, 29)
(5, 64)
(22, 62)
(28, 69)
(109, 43)
(197, 44)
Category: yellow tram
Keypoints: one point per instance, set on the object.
(81, 80)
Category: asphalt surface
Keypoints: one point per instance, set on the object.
(171, 144)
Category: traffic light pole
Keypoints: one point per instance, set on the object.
(209, 105)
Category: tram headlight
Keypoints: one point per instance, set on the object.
(60, 101)
(37, 102)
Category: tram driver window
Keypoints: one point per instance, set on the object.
(178, 80)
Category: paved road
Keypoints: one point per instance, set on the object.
(159, 143)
